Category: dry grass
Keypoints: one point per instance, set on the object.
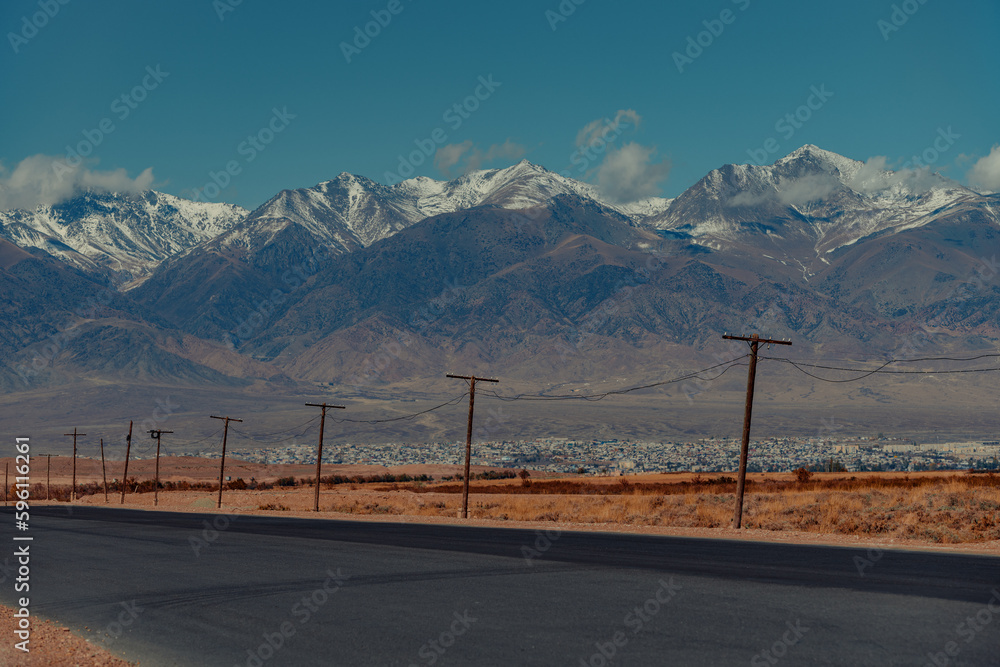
(944, 509)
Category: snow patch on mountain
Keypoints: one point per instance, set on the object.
(809, 196)
(125, 235)
(351, 211)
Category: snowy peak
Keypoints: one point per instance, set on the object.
(122, 235)
(522, 185)
(810, 202)
(352, 211)
(816, 157)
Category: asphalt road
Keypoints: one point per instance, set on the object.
(162, 589)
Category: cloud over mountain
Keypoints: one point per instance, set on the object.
(986, 172)
(44, 180)
(630, 173)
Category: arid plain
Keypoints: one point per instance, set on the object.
(901, 509)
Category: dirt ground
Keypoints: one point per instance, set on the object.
(51, 646)
(608, 512)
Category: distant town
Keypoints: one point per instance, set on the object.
(624, 457)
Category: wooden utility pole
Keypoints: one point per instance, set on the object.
(319, 448)
(468, 436)
(104, 473)
(128, 450)
(156, 433)
(222, 466)
(72, 497)
(754, 341)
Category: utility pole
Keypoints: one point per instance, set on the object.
(754, 341)
(104, 473)
(319, 448)
(74, 434)
(128, 450)
(156, 433)
(468, 436)
(222, 466)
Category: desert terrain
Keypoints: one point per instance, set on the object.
(952, 510)
(912, 509)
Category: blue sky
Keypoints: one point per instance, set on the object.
(265, 90)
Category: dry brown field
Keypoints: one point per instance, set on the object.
(939, 507)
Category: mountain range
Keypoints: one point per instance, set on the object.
(516, 272)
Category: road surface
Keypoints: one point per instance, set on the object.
(206, 589)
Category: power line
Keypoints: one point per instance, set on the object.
(282, 432)
(866, 372)
(402, 417)
(208, 437)
(253, 438)
(597, 397)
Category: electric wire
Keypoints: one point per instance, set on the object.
(881, 369)
(597, 397)
(282, 432)
(458, 398)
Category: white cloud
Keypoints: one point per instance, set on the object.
(790, 191)
(595, 129)
(43, 180)
(800, 191)
(628, 174)
(875, 176)
(985, 173)
(472, 157)
(448, 156)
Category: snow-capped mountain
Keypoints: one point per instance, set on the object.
(122, 235)
(796, 211)
(351, 212)
(809, 203)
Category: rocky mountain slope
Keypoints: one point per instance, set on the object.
(530, 275)
(119, 236)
